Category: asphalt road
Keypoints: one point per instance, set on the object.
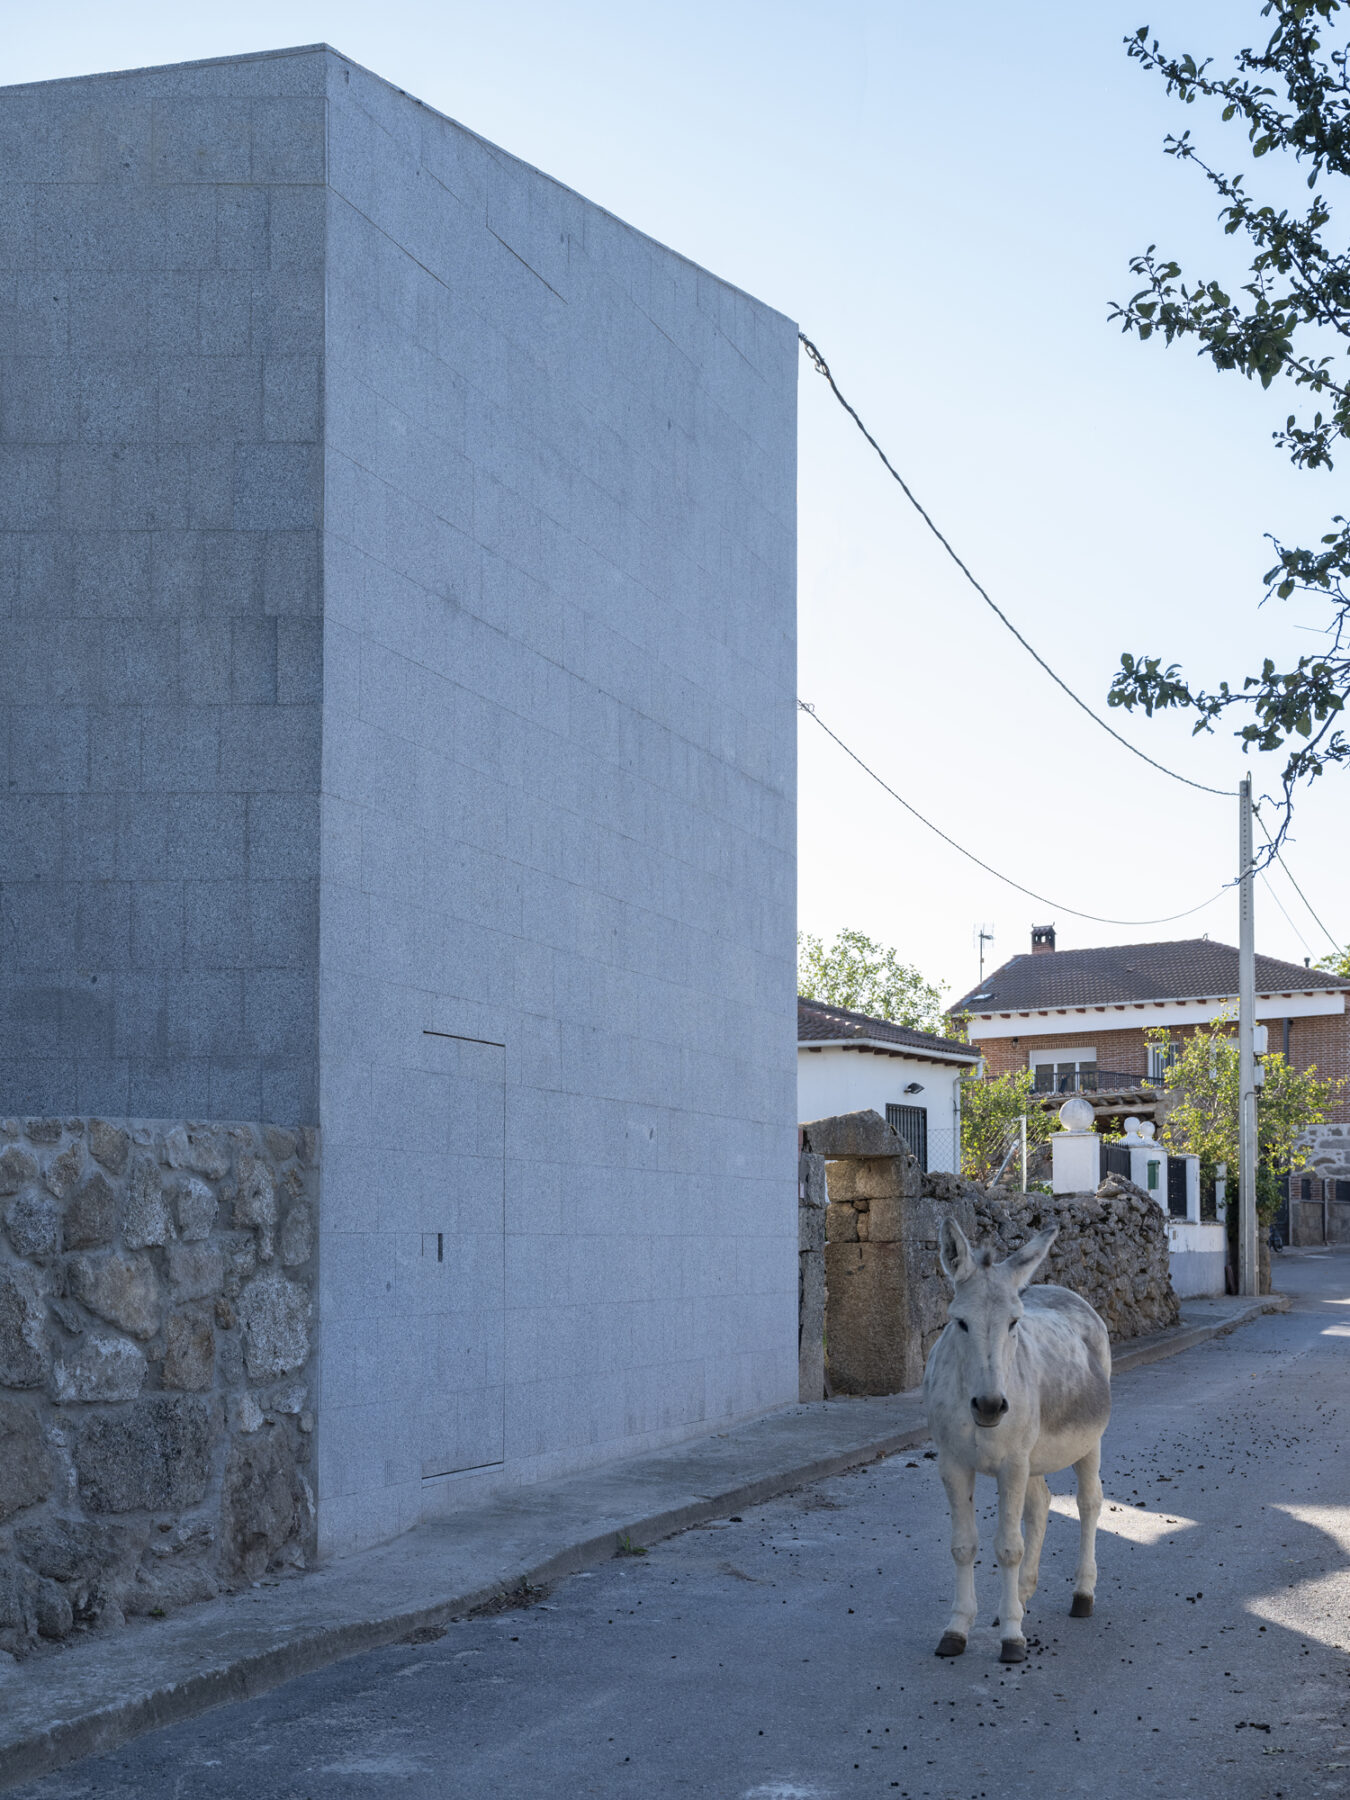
(788, 1654)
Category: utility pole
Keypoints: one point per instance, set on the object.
(1248, 1256)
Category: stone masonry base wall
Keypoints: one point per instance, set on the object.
(1326, 1151)
(1319, 1189)
(156, 1295)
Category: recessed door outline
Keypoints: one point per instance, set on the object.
(462, 1268)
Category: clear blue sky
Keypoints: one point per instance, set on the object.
(946, 198)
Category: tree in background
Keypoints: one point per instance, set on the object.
(870, 978)
(991, 1121)
(1338, 963)
(1203, 1118)
(1292, 321)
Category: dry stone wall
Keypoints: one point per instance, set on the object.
(157, 1286)
(1111, 1248)
(886, 1296)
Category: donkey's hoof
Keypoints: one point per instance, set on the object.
(1082, 1607)
(1014, 1650)
(952, 1644)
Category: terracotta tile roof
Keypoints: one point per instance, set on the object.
(1187, 969)
(821, 1024)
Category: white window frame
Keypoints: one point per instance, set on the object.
(1161, 1058)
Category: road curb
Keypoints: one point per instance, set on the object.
(1186, 1337)
(246, 1673)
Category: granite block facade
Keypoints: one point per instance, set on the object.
(161, 324)
(402, 555)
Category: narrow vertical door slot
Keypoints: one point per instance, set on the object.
(461, 1326)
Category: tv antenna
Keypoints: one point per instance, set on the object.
(982, 935)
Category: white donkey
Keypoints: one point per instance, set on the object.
(1018, 1386)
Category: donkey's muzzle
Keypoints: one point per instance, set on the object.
(989, 1410)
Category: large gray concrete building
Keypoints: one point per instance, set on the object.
(397, 568)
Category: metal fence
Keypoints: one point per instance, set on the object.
(944, 1150)
(1115, 1160)
(1086, 1080)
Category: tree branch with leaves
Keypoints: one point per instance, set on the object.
(1202, 1117)
(992, 1109)
(1290, 321)
(867, 977)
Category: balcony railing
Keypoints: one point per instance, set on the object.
(1087, 1080)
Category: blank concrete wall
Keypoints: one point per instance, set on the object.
(161, 340)
(558, 807)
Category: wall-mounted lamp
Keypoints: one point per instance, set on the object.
(915, 1087)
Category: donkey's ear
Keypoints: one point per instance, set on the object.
(1023, 1263)
(954, 1250)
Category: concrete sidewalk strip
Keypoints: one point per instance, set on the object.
(55, 1709)
(1200, 1319)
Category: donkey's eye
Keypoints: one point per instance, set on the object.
(963, 1325)
(1012, 1324)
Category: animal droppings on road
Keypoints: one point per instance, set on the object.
(538, 1727)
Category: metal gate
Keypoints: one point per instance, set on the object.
(1176, 1186)
(1338, 1211)
(1281, 1225)
(911, 1124)
(1307, 1210)
(1115, 1160)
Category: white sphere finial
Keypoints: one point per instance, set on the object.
(1131, 1127)
(1076, 1115)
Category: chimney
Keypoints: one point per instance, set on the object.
(1042, 940)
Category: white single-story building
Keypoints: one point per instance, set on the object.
(847, 1061)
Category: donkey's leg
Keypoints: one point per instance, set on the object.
(960, 1485)
(1034, 1515)
(1008, 1545)
(1087, 1469)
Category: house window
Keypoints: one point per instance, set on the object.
(1342, 1191)
(910, 1123)
(1160, 1059)
(1064, 1071)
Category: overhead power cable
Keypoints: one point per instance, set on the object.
(1266, 882)
(1054, 905)
(823, 368)
(1293, 884)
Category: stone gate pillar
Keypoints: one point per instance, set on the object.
(873, 1344)
(811, 1200)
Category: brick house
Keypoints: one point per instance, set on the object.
(1078, 1017)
